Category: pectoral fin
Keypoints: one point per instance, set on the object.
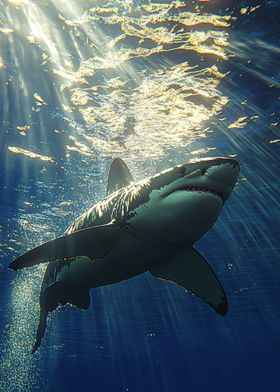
(191, 271)
(93, 242)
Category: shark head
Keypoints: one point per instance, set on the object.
(184, 202)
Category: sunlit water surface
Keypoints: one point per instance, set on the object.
(156, 84)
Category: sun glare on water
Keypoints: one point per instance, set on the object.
(124, 85)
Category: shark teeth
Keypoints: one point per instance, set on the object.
(230, 163)
(204, 190)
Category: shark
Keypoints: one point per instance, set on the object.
(140, 226)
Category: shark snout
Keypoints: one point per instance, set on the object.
(223, 176)
(211, 175)
(225, 172)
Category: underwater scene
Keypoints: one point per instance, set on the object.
(149, 86)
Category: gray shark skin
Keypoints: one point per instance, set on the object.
(149, 225)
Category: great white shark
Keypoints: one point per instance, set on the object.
(149, 225)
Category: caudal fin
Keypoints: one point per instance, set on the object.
(40, 330)
(55, 294)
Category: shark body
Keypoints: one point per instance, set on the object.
(149, 225)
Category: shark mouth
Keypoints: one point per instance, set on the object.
(204, 190)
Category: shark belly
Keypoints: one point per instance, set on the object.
(131, 257)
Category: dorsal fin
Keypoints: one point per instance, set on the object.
(119, 176)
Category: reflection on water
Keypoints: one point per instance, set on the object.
(84, 81)
(115, 67)
(18, 150)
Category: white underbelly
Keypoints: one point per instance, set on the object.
(129, 258)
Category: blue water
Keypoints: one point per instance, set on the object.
(142, 334)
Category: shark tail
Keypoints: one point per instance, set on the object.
(50, 298)
(58, 293)
(40, 330)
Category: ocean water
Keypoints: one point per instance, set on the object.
(155, 83)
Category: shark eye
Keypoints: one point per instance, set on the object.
(182, 170)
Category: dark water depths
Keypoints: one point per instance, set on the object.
(155, 84)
